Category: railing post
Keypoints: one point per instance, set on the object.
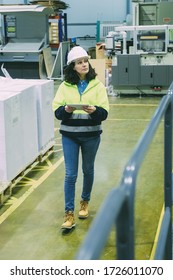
(168, 173)
(125, 220)
(125, 231)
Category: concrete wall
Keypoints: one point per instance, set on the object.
(81, 12)
(82, 16)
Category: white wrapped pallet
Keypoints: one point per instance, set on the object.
(11, 163)
(44, 94)
(29, 126)
(29, 115)
(45, 115)
(10, 138)
(18, 133)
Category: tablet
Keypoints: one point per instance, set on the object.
(77, 106)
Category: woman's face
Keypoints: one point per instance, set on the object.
(81, 67)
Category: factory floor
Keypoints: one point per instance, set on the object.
(31, 218)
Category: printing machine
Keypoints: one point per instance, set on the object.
(25, 34)
(142, 58)
(142, 53)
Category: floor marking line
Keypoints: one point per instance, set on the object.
(25, 184)
(27, 179)
(19, 201)
(58, 150)
(11, 200)
(134, 105)
(144, 120)
(157, 235)
(40, 168)
(48, 163)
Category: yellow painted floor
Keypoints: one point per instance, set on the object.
(30, 220)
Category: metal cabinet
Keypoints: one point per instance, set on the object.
(25, 36)
(146, 75)
(114, 79)
(160, 76)
(155, 13)
(130, 72)
(127, 71)
(170, 74)
(154, 75)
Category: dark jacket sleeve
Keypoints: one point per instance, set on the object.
(99, 115)
(61, 114)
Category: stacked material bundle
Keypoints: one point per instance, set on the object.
(18, 133)
(56, 5)
(44, 94)
(26, 124)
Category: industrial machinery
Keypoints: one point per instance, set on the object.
(142, 55)
(153, 12)
(25, 35)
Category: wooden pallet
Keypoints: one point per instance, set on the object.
(8, 189)
(45, 155)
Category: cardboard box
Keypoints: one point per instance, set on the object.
(100, 68)
(100, 51)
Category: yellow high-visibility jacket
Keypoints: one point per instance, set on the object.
(79, 123)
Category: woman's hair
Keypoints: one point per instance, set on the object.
(71, 76)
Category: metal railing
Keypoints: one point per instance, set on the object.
(118, 208)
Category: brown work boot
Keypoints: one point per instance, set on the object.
(83, 212)
(69, 221)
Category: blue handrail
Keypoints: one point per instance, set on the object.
(118, 207)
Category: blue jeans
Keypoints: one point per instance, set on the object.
(71, 149)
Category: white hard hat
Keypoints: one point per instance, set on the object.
(76, 53)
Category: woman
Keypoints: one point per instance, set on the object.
(81, 103)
